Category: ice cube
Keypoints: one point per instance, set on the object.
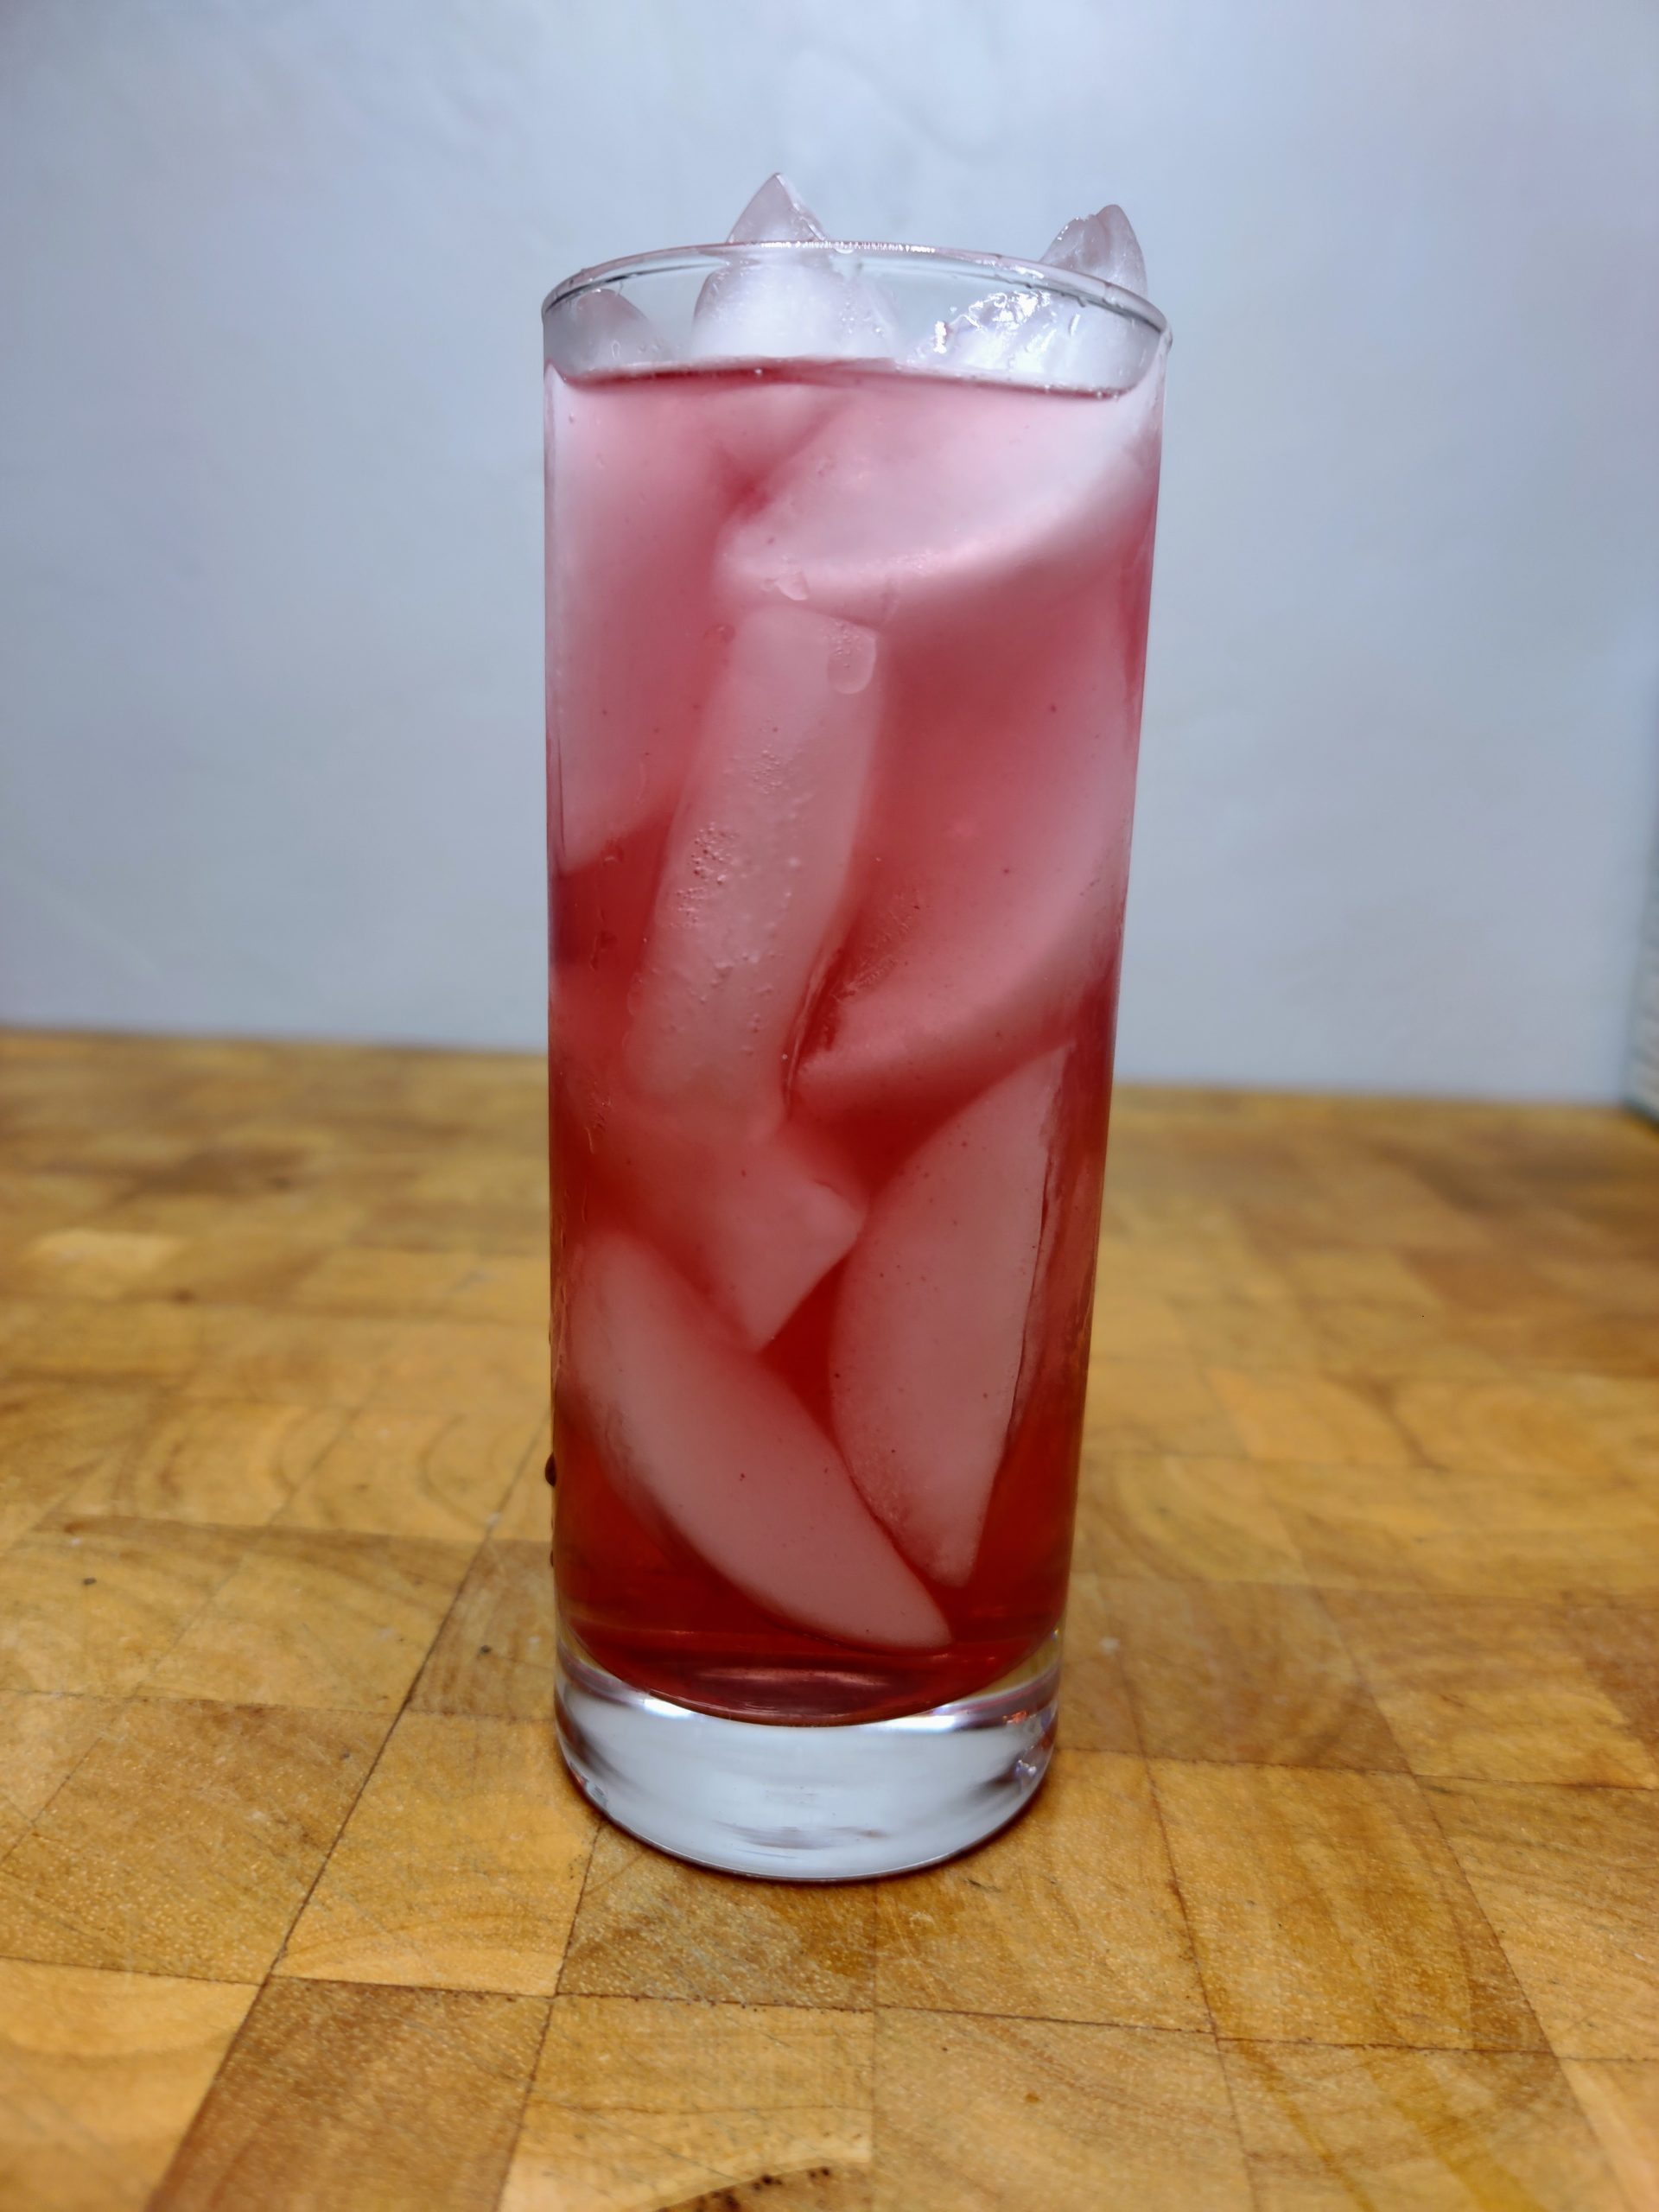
(755, 1219)
(912, 496)
(730, 1456)
(755, 885)
(1016, 336)
(778, 307)
(600, 333)
(993, 902)
(930, 1319)
(776, 211)
(815, 305)
(1032, 333)
(1103, 244)
(634, 646)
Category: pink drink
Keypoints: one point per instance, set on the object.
(846, 672)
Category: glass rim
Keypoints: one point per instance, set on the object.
(1028, 276)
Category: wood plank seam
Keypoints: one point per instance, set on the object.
(1186, 1924)
(267, 1977)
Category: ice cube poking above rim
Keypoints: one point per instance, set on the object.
(816, 306)
(1028, 334)
(803, 295)
(600, 332)
(777, 212)
(1103, 244)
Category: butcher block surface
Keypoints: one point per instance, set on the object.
(1344, 1887)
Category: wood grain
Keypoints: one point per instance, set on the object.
(1360, 1758)
(1619, 1645)
(1621, 2102)
(185, 1840)
(638, 2104)
(392, 1473)
(494, 1653)
(1508, 1427)
(1207, 1519)
(369, 1279)
(461, 1366)
(229, 1462)
(1072, 1916)
(1326, 1906)
(42, 1740)
(649, 1927)
(1098, 1714)
(1443, 2131)
(1247, 1672)
(1146, 1404)
(86, 1262)
(100, 2076)
(1491, 1688)
(526, 1513)
(1010, 2115)
(230, 1261)
(460, 1868)
(308, 1619)
(1286, 1414)
(362, 2099)
(52, 1438)
(296, 1358)
(93, 1603)
(1568, 1879)
(64, 1340)
(1540, 1533)
(1390, 1340)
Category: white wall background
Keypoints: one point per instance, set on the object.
(268, 532)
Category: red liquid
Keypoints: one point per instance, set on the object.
(846, 680)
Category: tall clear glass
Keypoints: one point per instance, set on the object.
(848, 558)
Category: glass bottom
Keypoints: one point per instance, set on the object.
(808, 1804)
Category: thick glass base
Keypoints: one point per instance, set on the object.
(808, 1804)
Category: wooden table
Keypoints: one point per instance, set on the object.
(1345, 1887)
